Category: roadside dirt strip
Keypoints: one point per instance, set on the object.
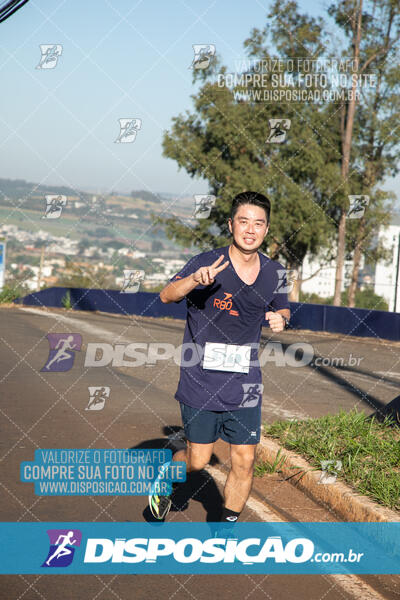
(338, 496)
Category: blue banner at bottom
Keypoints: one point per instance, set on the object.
(212, 548)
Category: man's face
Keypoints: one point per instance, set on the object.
(249, 227)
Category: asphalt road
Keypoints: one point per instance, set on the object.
(48, 410)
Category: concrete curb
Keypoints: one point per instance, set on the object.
(338, 496)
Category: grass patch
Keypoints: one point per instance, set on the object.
(261, 468)
(369, 450)
(9, 294)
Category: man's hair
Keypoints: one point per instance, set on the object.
(251, 198)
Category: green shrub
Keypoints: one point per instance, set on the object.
(66, 301)
(9, 294)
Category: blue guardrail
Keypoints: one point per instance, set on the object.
(316, 317)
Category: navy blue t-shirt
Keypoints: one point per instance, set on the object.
(230, 312)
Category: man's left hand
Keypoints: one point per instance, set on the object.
(276, 321)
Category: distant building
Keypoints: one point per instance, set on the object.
(173, 266)
(32, 282)
(155, 278)
(323, 282)
(64, 246)
(383, 279)
(386, 273)
(131, 253)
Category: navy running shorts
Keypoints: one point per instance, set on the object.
(241, 426)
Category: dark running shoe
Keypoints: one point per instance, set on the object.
(159, 504)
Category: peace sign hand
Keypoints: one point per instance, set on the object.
(206, 275)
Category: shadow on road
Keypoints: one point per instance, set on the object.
(333, 373)
(199, 486)
(391, 412)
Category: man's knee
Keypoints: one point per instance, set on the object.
(197, 463)
(199, 456)
(243, 459)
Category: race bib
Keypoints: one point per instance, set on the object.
(226, 357)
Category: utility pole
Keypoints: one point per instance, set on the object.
(2, 262)
(39, 283)
(397, 273)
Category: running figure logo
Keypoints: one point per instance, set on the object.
(62, 351)
(279, 129)
(286, 279)
(128, 130)
(97, 397)
(50, 55)
(62, 547)
(252, 394)
(330, 469)
(203, 204)
(203, 54)
(358, 204)
(132, 281)
(54, 206)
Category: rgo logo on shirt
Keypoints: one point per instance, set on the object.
(225, 304)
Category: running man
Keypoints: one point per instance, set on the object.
(55, 205)
(62, 549)
(99, 397)
(49, 56)
(229, 292)
(62, 353)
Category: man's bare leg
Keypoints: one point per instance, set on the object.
(240, 478)
(196, 456)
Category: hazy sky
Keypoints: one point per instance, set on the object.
(120, 59)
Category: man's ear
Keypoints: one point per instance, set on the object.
(267, 229)
(230, 224)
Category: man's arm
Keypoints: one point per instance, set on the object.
(285, 312)
(178, 289)
(275, 320)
